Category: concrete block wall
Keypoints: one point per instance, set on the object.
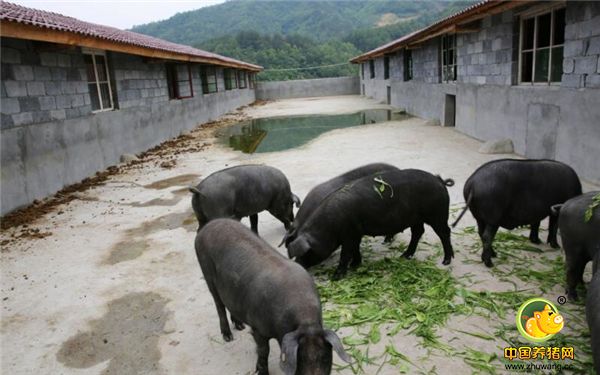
(40, 84)
(581, 62)
(426, 62)
(486, 57)
(42, 155)
(308, 88)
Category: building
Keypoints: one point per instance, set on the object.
(528, 71)
(77, 95)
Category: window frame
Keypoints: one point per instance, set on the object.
(447, 50)
(205, 72)
(93, 53)
(535, 14)
(372, 69)
(362, 70)
(173, 80)
(251, 80)
(232, 79)
(407, 65)
(386, 66)
(242, 74)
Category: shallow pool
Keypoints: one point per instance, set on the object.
(283, 133)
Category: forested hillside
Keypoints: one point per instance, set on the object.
(284, 35)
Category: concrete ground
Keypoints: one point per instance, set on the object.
(116, 288)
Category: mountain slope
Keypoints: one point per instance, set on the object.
(320, 20)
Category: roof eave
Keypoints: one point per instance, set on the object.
(435, 29)
(20, 30)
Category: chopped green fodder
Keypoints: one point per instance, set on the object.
(589, 212)
(390, 294)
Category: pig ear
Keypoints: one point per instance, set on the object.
(290, 234)
(289, 352)
(296, 200)
(336, 344)
(298, 247)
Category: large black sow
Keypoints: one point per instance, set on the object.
(509, 193)
(276, 297)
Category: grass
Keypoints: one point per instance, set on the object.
(390, 295)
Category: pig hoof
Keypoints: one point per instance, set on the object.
(338, 275)
(239, 326)
(554, 245)
(572, 295)
(535, 240)
(447, 261)
(228, 336)
(488, 263)
(355, 265)
(407, 255)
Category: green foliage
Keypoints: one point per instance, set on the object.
(590, 210)
(279, 53)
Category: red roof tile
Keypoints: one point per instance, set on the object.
(49, 20)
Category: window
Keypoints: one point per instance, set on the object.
(408, 65)
(98, 80)
(242, 79)
(230, 79)
(179, 80)
(541, 45)
(449, 57)
(386, 67)
(362, 70)
(208, 76)
(252, 80)
(372, 68)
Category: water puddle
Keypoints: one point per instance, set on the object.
(181, 180)
(127, 336)
(283, 133)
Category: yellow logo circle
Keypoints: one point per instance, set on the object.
(538, 320)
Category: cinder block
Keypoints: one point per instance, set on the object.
(586, 65)
(8, 106)
(48, 59)
(23, 118)
(35, 88)
(572, 80)
(15, 88)
(77, 101)
(63, 60)
(22, 72)
(41, 116)
(42, 73)
(63, 101)
(58, 74)
(72, 113)
(10, 56)
(68, 87)
(29, 104)
(85, 110)
(568, 65)
(58, 114)
(573, 48)
(593, 81)
(82, 87)
(52, 88)
(47, 103)
(6, 121)
(594, 46)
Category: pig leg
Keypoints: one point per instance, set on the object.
(349, 250)
(552, 230)
(237, 323)
(480, 229)
(262, 349)
(225, 330)
(575, 266)
(534, 236)
(443, 232)
(254, 223)
(416, 231)
(487, 238)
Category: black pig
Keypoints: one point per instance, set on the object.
(509, 193)
(383, 203)
(276, 297)
(580, 237)
(241, 191)
(316, 195)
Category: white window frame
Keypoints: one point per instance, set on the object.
(449, 50)
(535, 13)
(94, 53)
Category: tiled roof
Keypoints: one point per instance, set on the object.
(54, 21)
(400, 42)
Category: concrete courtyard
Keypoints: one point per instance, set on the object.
(115, 287)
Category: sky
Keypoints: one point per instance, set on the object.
(121, 14)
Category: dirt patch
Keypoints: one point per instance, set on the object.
(184, 179)
(127, 336)
(135, 242)
(156, 202)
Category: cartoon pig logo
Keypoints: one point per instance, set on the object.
(538, 320)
